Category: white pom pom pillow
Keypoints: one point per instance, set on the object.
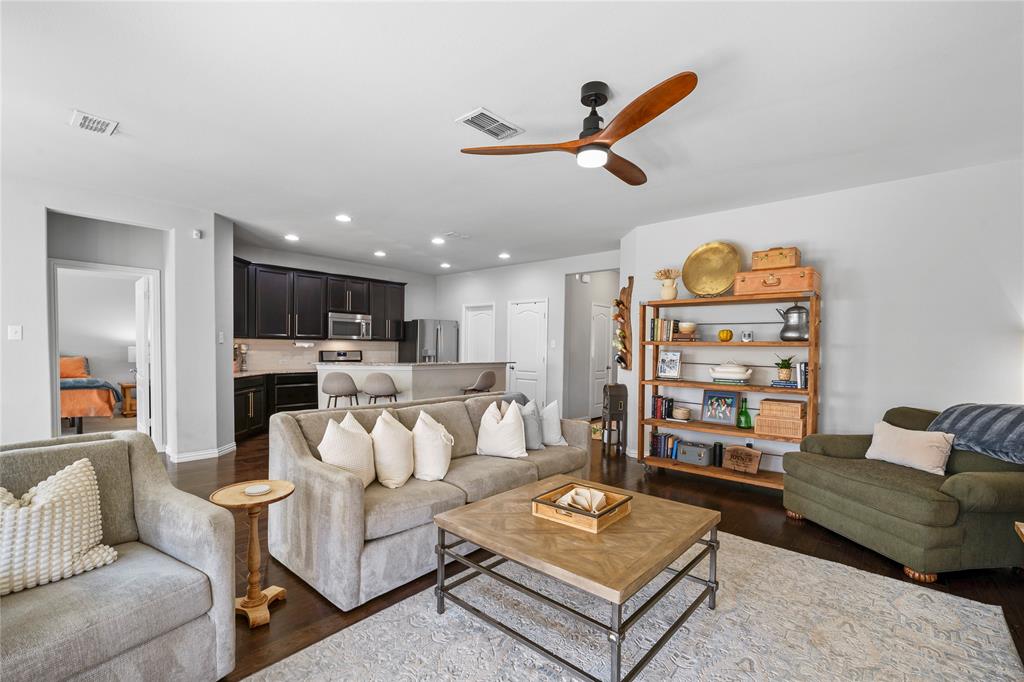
(551, 425)
(432, 448)
(348, 446)
(501, 436)
(392, 451)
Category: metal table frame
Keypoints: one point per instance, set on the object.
(617, 628)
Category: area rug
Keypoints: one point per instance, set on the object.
(780, 616)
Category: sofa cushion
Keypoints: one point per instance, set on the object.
(477, 405)
(314, 422)
(452, 415)
(480, 476)
(391, 510)
(20, 469)
(556, 459)
(74, 624)
(896, 490)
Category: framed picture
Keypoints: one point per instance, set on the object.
(669, 364)
(720, 407)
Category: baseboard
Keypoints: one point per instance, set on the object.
(201, 454)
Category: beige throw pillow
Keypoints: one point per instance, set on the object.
(551, 425)
(392, 451)
(432, 448)
(53, 531)
(501, 436)
(348, 446)
(924, 450)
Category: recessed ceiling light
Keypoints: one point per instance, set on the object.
(380, 254)
(446, 265)
(342, 218)
(437, 240)
(504, 255)
(292, 237)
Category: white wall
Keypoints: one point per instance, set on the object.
(420, 290)
(923, 287)
(223, 254)
(579, 298)
(96, 318)
(544, 279)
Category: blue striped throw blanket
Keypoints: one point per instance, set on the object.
(81, 383)
(993, 430)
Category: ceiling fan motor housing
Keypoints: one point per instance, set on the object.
(593, 94)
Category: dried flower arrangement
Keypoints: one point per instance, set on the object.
(667, 273)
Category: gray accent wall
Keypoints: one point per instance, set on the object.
(579, 297)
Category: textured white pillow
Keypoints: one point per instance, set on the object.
(551, 425)
(501, 436)
(432, 448)
(924, 450)
(53, 531)
(532, 426)
(348, 446)
(392, 451)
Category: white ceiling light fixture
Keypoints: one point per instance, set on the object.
(437, 241)
(292, 237)
(380, 254)
(446, 265)
(504, 255)
(343, 218)
(592, 156)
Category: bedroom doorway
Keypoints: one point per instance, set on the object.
(106, 349)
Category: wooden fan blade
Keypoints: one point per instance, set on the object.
(569, 146)
(648, 107)
(624, 170)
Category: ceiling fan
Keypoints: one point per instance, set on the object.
(593, 148)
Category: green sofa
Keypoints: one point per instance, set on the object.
(930, 524)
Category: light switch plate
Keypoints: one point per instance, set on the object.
(14, 332)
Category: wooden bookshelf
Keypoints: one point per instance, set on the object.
(647, 363)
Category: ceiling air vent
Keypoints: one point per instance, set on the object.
(92, 124)
(490, 123)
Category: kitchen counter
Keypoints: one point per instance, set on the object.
(415, 380)
(264, 372)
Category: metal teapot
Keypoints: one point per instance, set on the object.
(796, 325)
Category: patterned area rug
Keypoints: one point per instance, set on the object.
(780, 616)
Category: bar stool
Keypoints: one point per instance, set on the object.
(380, 385)
(484, 383)
(340, 385)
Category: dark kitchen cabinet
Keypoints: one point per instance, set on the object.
(273, 302)
(250, 406)
(309, 303)
(346, 295)
(292, 392)
(387, 310)
(244, 327)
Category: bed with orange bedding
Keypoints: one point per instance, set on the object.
(81, 395)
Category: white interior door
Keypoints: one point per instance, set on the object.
(600, 354)
(528, 348)
(143, 327)
(478, 333)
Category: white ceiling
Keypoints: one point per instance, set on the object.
(282, 115)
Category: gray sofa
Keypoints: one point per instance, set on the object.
(163, 610)
(352, 544)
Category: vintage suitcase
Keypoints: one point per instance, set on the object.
(775, 257)
(694, 453)
(778, 281)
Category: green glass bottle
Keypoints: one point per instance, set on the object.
(743, 419)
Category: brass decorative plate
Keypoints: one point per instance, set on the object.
(711, 269)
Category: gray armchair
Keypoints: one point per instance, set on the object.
(164, 609)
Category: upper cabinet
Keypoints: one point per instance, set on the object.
(348, 295)
(387, 311)
(309, 300)
(273, 294)
(243, 307)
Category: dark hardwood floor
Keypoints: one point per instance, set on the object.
(306, 617)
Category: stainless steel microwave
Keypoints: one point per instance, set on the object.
(348, 326)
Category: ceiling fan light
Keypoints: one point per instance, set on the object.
(592, 156)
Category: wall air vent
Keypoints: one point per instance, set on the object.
(490, 123)
(92, 124)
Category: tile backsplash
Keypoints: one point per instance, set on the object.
(270, 354)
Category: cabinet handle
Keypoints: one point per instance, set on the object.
(348, 300)
(288, 325)
(296, 324)
(250, 404)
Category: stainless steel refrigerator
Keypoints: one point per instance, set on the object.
(430, 341)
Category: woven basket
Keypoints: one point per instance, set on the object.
(779, 426)
(787, 409)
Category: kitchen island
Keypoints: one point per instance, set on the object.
(413, 380)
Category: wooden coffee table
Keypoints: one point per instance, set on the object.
(613, 565)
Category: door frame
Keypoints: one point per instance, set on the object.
(590, 364)
(542, 398)
(156, 374)
(464, 336)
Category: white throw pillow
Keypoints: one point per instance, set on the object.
(551, 425)
(392, 451)
(53, 531)
(432, 448)
(501, 436)
(348, 446)
(924, 450)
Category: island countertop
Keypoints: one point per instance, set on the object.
(415, 380)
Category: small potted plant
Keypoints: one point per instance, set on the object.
(668, 277)
(785, 366)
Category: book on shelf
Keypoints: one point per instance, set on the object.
(663, 329)
(661, 407)
(732, 382)
(665, 445)
(799, 379)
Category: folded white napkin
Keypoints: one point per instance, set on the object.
(587, 499)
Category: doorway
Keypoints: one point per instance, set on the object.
(478, 333)
(588, 341)
(600, 355)
(528, 348)
(105, 349)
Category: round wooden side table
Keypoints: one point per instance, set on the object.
(256, 602)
